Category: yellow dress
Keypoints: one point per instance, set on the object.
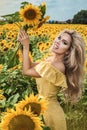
(48, 86)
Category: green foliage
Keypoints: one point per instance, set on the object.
(33, 46)
(84, 97)
(76, 116)
(80, 17)
(46, 128)
(23, 4)
(2, 22)
(43, 9)
(2, 59)
(11, 18)
(15, 86)
(76, 113)
(9, 58)
(3, 36)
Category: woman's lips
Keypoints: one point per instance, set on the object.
(55, 46)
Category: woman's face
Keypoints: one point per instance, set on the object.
(61, 44)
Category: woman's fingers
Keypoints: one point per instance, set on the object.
(22, 35)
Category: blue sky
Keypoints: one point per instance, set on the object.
(57, 9)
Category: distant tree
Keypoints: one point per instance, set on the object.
(11, 18)
(80, 17)
(69, 21)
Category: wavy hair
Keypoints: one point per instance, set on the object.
(74, 66)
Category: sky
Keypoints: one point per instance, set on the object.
(60, 10)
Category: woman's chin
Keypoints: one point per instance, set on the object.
(54, 50)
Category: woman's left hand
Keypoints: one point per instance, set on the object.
(23, 38)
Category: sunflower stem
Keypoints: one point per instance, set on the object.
(13, 56)
(19, 25)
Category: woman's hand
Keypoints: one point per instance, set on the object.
(23, 38)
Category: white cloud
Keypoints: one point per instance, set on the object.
(57, 9)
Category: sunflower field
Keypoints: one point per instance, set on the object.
(14, 86)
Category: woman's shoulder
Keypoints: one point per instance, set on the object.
(59, 66)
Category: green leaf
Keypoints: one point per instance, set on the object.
(23, 4)
(13, 99)
(43, 10)
(46, 128)
(2, 103)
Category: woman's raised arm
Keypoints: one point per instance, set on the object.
(28, 65)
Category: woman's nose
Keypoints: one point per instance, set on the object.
(58, 41)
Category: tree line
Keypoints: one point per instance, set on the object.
(79, 18)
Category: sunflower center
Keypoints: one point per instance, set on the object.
(21, 122)
(35, 107)
(30, 14)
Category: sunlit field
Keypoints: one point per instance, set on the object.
(15, 85)
(41, 39)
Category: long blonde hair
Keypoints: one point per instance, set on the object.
(74, 64)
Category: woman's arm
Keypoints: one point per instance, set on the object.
(28, 66)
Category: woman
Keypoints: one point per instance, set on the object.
(61, 71)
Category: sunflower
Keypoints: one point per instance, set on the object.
(43, 21)
(48, 44)
(20, 120)
(1, 33)
(43, 48)
(39, 44)
(15, 67)
(1, 66)
(1, 95)
(30, 14)
(30, 55)
(3, 43)
(37, 105)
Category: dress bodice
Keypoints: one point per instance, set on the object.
(51, 81)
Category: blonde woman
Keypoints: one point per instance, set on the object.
(63, 70)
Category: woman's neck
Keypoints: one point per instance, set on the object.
(57, 58)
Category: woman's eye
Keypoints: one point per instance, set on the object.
(59, 38)
(65, 43)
